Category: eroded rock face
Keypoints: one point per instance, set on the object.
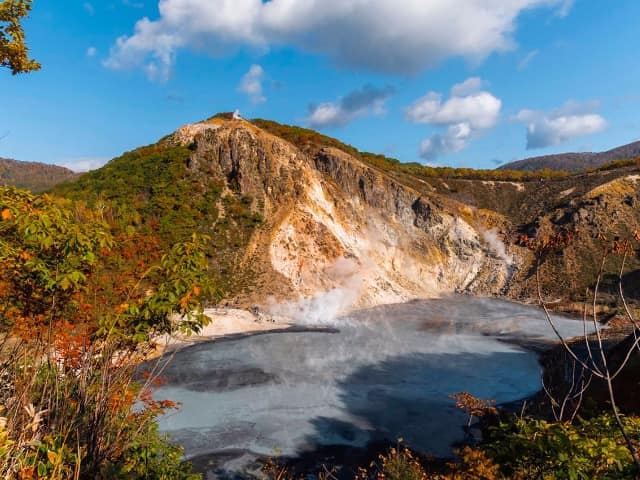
(335, 224)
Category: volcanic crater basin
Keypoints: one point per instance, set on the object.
(375, 375)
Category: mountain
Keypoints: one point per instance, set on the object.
(296, 216)
(291, 221)
(575, 162)
(33, 176)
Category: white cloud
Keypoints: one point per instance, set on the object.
(392, 36)
(480, 110)
(150, 46)
(82, 164)
(251, 84)
(570, 121)
(91, 52)
(358, 103)
(468, 112)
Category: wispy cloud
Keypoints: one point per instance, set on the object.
(469, 86)
(129, 3)
(565, 8)
(525, 61)
(251, 84)
(88, 7)
(358, 103)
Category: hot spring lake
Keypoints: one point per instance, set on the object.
(377, 374)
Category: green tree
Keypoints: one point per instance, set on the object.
(46, 254)
(75, 401)
(585, 449)
(14, 53)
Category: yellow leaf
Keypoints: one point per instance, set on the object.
(52, 457)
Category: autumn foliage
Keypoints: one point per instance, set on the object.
(79, 308)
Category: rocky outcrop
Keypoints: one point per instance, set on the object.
(338, 227)
(592, 220)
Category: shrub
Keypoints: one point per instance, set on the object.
(73, 403)
(588, 449)
(398, 464)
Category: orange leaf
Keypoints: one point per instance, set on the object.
(184, 301)
(6, 214)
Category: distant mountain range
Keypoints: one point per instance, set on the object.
(575, 162)
(33, 176)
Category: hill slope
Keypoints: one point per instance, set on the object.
(317, 225)
(295, 215)
(575, 162)
(33, 176)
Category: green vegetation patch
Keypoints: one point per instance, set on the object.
(152, 191)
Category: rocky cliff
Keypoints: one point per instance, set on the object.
(337, 227)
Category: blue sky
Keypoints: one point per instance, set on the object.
(468, 83)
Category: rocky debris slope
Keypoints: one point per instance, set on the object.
(592, 221)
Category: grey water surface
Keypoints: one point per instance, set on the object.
(378, 374)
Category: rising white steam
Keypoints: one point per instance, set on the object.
(497, 246)
(324, 307)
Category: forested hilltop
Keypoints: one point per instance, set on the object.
(33, 176)
(576, 162)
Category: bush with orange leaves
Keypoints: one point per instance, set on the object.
(72, 402)
(400, 463)
(474, 406)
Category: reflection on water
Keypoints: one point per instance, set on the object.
(385, 373)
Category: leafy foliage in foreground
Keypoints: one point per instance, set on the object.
(73, 403)
(522, 449)
(14, 53)
(46, 255)
(589, 448)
